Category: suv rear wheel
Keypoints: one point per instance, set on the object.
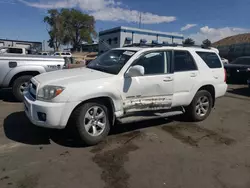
(19, 86)
(92, 122)
(200, 107)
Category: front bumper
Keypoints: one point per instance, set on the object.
(57, 114)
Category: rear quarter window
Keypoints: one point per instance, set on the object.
(211, 59)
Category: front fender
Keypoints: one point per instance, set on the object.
(91, 91)
(21, 69)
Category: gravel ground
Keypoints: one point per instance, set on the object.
(154, 153)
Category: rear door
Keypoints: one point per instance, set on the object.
(186, 76)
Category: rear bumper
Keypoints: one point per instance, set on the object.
(220, 90)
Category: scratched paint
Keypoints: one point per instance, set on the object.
(148, 103)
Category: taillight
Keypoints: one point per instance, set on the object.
(225, 75)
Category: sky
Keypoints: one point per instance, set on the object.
(197, 19)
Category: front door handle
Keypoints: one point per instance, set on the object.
(193, 74)
(168, 79)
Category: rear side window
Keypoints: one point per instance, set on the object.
(211, 59)
(68, 54)
(183, 61)
(15, 50)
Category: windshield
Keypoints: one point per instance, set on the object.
(242, 61)
(111, 61)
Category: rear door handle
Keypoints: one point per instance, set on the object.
(216, 77)
(168, 79)
(193, 75)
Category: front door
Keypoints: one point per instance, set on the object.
(153, 90)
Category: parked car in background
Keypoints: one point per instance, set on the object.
(43, 53)
(63, 54)
(224, 60)
(239, 69)
(248, 83)
(123, 82)
(13, 50)
(17, 70)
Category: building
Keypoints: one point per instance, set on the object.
(120, 36)
(29, 45)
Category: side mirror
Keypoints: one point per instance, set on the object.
(134, 71)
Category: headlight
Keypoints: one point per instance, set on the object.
(49, 92)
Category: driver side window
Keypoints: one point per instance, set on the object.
(153, 63)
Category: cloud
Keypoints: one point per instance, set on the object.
(117, 13)
(7, 2)
(188, 26)
(215, 34)
(105, 10)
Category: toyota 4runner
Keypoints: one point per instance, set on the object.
(124, 81)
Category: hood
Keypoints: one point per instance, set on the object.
(67, 76)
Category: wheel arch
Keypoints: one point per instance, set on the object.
(108, 101)
(211, 89)
(23, 73)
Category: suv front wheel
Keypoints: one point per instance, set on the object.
(92, 122)
(200, 107)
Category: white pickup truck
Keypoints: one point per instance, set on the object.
(16, 70)
(123, 82)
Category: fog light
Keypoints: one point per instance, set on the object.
(41, 116)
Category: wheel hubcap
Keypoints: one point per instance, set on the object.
(95, 121)
(24, 87)
(202, 106)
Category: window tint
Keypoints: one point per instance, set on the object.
(153, 63)
(183, 61)
(15, 50)
(211, 59)
(57, 54)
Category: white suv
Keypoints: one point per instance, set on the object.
(123, 82)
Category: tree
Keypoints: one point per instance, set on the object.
(188, 41)
(55, 30)
(69, 26)
(207, 43)
(78, 27)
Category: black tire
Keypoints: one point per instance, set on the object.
(191, 112)
(79, 119)
(16, 88)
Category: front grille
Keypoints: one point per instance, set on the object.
(32, 89)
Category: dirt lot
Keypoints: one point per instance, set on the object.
(157, 153)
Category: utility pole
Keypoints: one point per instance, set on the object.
(140, 20)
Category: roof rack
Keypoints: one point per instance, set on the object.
(164, 45)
